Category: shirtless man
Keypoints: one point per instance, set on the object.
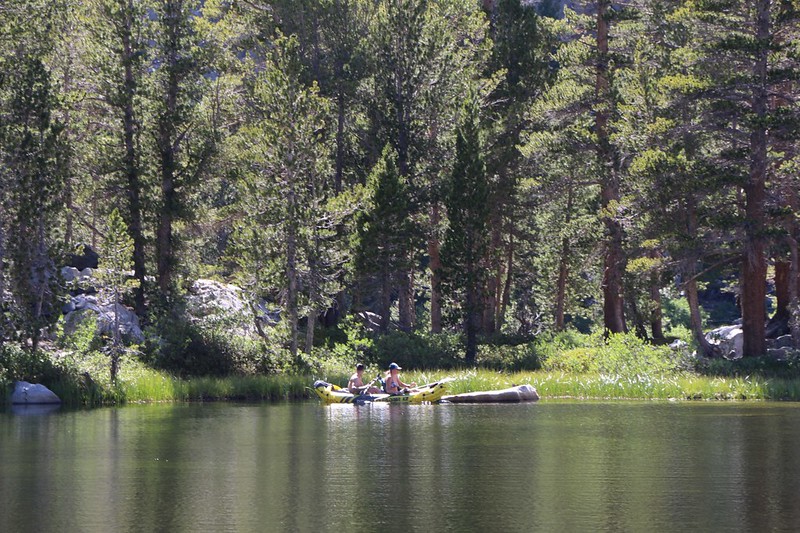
(393, 383)
(356, 384)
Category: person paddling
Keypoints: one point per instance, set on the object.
(394, 385)
(356, 383)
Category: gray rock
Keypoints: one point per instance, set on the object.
(86, 274)
(128, 322)
(32, 393)
(779, 354)
(69, 273)
(678, 344)
(83, 305)
(214, 303)
(68, 307)
(728, 339)
(784, 341)
(85, 301)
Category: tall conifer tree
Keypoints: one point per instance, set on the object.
(466, 240)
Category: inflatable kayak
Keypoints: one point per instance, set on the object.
(329, 393)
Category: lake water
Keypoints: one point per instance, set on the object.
(548, 466)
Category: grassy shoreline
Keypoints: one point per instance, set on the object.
(154, 386)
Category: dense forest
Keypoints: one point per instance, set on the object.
(480, 170)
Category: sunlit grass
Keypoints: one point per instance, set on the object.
(679, 386)
(139, 383)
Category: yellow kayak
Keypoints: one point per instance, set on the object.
(329, 393)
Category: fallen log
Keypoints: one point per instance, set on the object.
(519, 393)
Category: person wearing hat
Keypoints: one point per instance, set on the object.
(356, 383)
(394, 385)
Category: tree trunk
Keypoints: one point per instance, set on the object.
(754, 265)
(561, 285)
(291, 273)
(656, 326)
(436, 270)
(506, 300)
(340, 140)
(695, 318)
(406, 304)
(130, 162)
(167, 144)
(794, 292)
(782, 289)
(563, 267)
(690, 287)
(473, 317)
(164, 232)
(311, 322)
(386, 300)
(495, 277)
(614, 263)
(2, 278)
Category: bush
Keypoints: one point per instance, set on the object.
(189, 349)
(620, 354)
(509, 357)
(17, 364)
(750, 366)
(413, 350)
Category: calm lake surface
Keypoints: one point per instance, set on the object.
(547, 466)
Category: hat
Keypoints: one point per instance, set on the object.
(395, 366)
(360, 366)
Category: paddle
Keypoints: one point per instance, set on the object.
(364, 388)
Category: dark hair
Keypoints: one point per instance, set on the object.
(359, 366)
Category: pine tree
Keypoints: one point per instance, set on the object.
(520, 56)
(284, 158)
(115, 55)
(32, 174)
(746, 60)
(184, 147)
(465, 244)
(117, 262)
(384, 231)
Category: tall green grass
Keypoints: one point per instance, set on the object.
(152, 386)
(676, 386)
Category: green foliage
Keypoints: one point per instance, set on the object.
(508, 357)
(384, 231)
(466, 240)
(619, 355)
(412, 350)
(186, 349)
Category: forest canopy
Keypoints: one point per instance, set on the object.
(480, 170)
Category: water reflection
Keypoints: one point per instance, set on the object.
(34, 409)
(297, 467)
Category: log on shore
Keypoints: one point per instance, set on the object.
(520, 393)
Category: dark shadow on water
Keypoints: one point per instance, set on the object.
(34, 409)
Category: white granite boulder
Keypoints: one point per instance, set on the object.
(211, 302)
(32, 393)
(82, 304)
(729, 340)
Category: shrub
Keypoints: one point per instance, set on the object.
(620, 354)
(17, 364)
(508, 357)
(414, 350)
